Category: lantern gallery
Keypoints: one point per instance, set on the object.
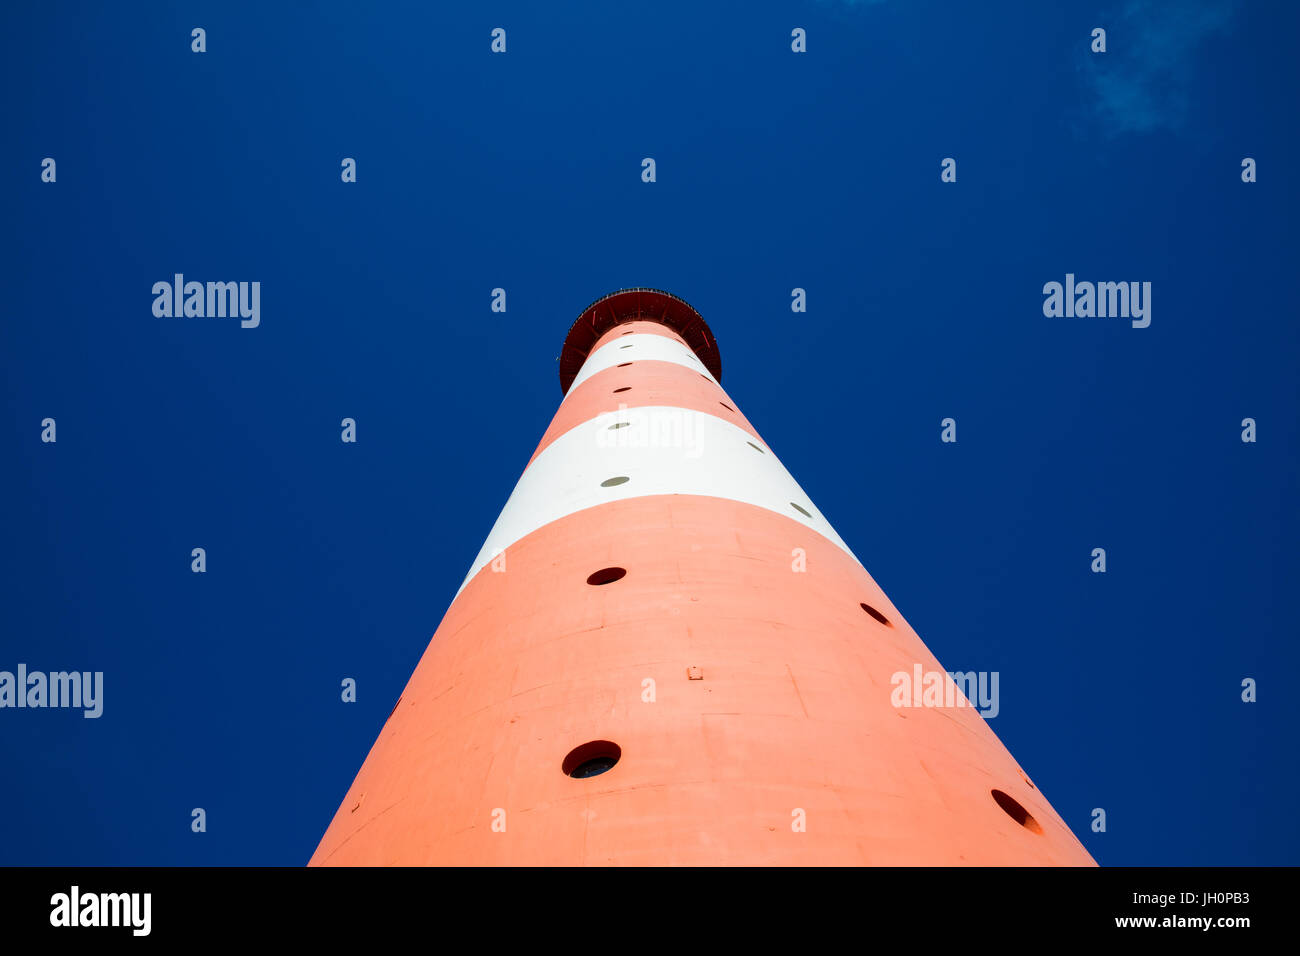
(1104, 300)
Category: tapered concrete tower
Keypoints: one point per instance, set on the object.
(664, 654)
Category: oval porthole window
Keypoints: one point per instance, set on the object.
(1016, 812)
(622, 364)
(616, 480)
(755, 447)
(876, 614)
(802, 511)
(606, 576)
(625, 388)
(591, 759)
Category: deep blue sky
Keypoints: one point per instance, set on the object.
(522, 170)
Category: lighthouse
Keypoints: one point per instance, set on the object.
(664, 654)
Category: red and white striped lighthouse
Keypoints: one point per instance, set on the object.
(664, 654)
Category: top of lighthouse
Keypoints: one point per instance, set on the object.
(627, 305)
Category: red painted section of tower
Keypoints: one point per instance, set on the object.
(750, 693)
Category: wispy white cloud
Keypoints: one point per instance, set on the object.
(1141, 83)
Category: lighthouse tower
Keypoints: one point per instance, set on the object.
(664, 654)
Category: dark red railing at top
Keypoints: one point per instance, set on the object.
(627, 305)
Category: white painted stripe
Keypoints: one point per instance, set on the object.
(638, 348)
(662, 451)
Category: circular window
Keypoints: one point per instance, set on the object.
(1016, 812)
(611, 482)
(606, 576)
(876, 614)
(591, 759)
